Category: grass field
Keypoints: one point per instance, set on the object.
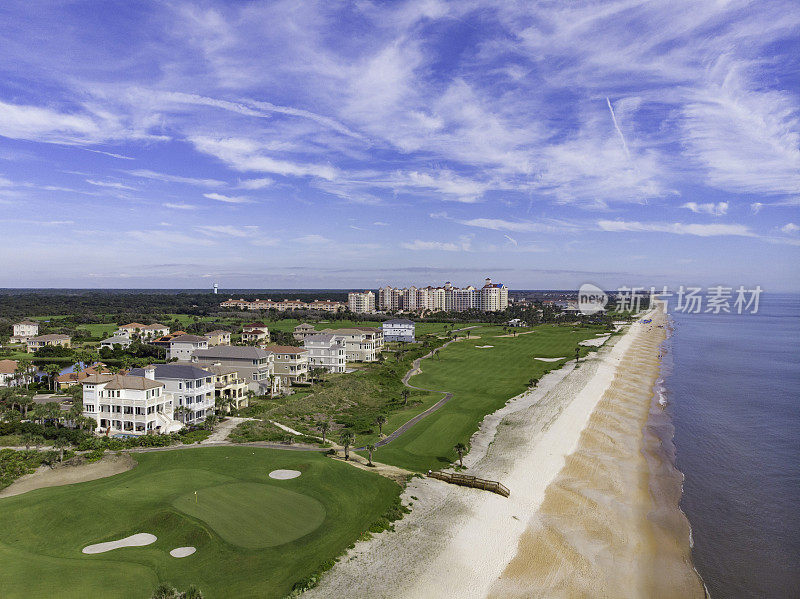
(481, 381)
(255, 536)
(99, 330)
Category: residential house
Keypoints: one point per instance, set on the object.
(68, 379)
(361, 302)
(192, 389)
(130, 405)
(326, 351)
(399, 329)
(228, 385)
(121, 341)
(291, 363)
(36, 343)
(254, 364)
(24, 330)
(218, 337)
(9, 377)
(255, 332)
(361, 344)
(184, 346)
(164, 340)
(303, 330)
(143, 331)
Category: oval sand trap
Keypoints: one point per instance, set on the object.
(182, 551)
(284, 474)
(548, 359)
(137, 540)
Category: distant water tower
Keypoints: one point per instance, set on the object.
(216, 288)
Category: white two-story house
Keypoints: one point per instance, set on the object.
(128, 405)
(253, 364)
(24, 330)
(399, 329)
(192, 389)
(184, 346)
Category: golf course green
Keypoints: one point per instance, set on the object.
(481, 379)
(255, 536)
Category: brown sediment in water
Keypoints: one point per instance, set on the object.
(609, 524)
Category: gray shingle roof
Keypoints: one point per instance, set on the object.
(188, 339)
(174, 371)
(235, 352)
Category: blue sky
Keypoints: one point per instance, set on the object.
(345, 144)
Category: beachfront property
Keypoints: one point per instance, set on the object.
(218, 337)
(121, 341)
(326, 351)
(192, 389)
(492, 297)
(303, 330)
(361, 302)
(229, 386)
(24, 330)
(362, 344)
(9, 377)
(291, 363)
(36, 343)
(182, 347)
(130, 405)
(142, 331)
(284, 305)
(253, 364)
(399, 329)
(255, 332)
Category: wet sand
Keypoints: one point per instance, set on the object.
(609, 525)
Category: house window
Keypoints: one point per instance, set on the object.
(87, 407)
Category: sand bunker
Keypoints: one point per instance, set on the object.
(548, 359)
(137, 540)
(182, 551)
(284, 474)
(484, 346)
(595, 342)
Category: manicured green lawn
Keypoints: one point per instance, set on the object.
(99, 330)
(255, 536)
(481, 381)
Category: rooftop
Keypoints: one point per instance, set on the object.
(8, 366)
(234, 352)
(188, 339)
(285, 349)
(122, 381)
(174, 371)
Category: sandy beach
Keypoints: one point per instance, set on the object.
(460, 542)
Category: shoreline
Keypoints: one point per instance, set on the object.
(458, 542)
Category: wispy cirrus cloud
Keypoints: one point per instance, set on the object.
(167, 178)
(228, 199)
(699, 230)
(714, 209)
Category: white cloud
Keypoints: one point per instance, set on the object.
(228, 199)
(110, 184)
(148, 174)
(790, 228)
(313, 239)
(756, 207)
(499, 224)
(419, 245)
(256, 183)
(179, 206)
(227, 230)
(676, 228)
(44, 124)
(718, 209)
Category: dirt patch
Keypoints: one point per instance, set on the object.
(70, 472)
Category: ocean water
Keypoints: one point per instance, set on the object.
(732, 386)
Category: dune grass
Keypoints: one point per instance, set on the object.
(481, 381)
(322, 512)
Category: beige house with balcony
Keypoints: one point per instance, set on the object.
(36, 343)
(143, 331)
(291, 363)
(303, 330)
(362, 344)
(228, 385)
(218, 337)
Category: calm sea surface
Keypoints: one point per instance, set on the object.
(733, 387)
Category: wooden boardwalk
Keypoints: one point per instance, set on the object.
(466, 480)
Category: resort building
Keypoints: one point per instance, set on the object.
(303, 330)
(399, 329)
(362, 344)
(492, 297)
(121, 341)
(192, 389)
(143, 331)
(253, 364)
(326, 351)
(183, 347)
(361, 302)
(36, 343)
(291, 363)
(24, 330)
(218, 337)
(284, 305)
(230, 389)
(130, 405)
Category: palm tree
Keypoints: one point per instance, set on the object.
(346, 440)
(323, 426)
(460, 450)
(53, 370)
(380, 421)
(60, 444)
(405, 395)
(181, 412)
(23, 370)
(211, 421)
(577, 354)
(370, 449)
(28, 439)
